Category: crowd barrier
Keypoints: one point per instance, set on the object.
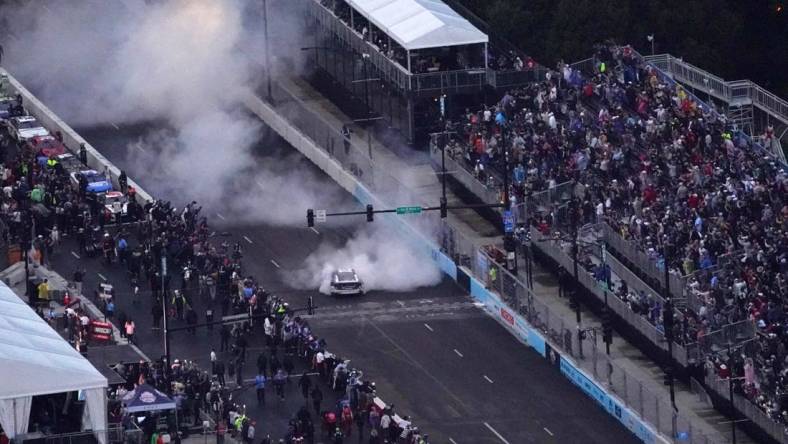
(332, 165)
(71, 139)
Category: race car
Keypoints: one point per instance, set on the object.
(25, 128)
(70, 163)
(115, 205)
(46, 146)
(345, 282)
(94, 181)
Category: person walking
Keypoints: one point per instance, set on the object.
(225, 338)
(317, 399)
(130, 328)
(213, 361)
(279, 383)
(259, 384)
(78, 276)
(157, 312)
(191, 319)
(306, 384)
(219, 372)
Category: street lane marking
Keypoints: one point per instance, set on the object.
(115, 126)
(548, 431)
(75, 255)
(219, 215)
(458, 352)
(248, 240)
(452, 441)
(275, 264)
(101, 276)
(495, 432)
(428, 327)
(488, 379)
(260, 184)
(313, 229)
(401, 304)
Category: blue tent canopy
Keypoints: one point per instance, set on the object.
(145, 398)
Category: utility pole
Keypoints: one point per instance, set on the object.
(509, 244)
(667, 323)
(166, 321)
(730, 393)
(268, 71)
(576, 283)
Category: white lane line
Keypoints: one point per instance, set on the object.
(275, 264)
(495, 432)
(260, 184)
(101, 276)
(75, 255)
(548, 431)
(452, 441)
(13, 36)
(458, 352)
(219, 215)
(248, 240)
(401, 304)
(428, 327)
(488, 379)
(139, 147)
(117, 128)
(313, 229)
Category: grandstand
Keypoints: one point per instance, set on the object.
(655, 166)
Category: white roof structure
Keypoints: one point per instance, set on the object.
(419, 24)
(36, 360)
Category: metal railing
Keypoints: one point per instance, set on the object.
(456, 168)
(738, 91)
(391, 69)
(775, 429)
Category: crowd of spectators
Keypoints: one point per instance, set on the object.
(661, 169)
(40, 203)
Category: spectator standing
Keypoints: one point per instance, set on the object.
(259, 383)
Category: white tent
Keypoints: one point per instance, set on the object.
(419, 24)
(36, 360)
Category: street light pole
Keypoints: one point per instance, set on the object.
(730, 394)
(365, 59)
(166, 321)
(667, 323)
(267, 51)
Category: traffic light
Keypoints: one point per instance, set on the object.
(310, 306)
(370, 213)
(310, 218)
(607, 326)
(444, 210)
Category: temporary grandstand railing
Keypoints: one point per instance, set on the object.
(739, 90)
(775, 429)
(456, 169)
(734, 92)
(391, 70)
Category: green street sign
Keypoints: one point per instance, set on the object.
(408, 210)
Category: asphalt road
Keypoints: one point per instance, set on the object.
(431, 352)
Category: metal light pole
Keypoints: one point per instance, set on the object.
(576, 282)
(166, 321)
(650, 38)
(730, 393)
(667, 322)
(267, 51)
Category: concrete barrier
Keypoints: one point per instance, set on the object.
(492, 303)
(71, 139)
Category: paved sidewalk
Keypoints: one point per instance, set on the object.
(413, 167)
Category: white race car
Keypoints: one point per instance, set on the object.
(345, 282)
(25, 128)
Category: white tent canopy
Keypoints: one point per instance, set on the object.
(419, 24)
(36, 360)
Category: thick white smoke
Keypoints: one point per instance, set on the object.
(185, 64)
(381, 259)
